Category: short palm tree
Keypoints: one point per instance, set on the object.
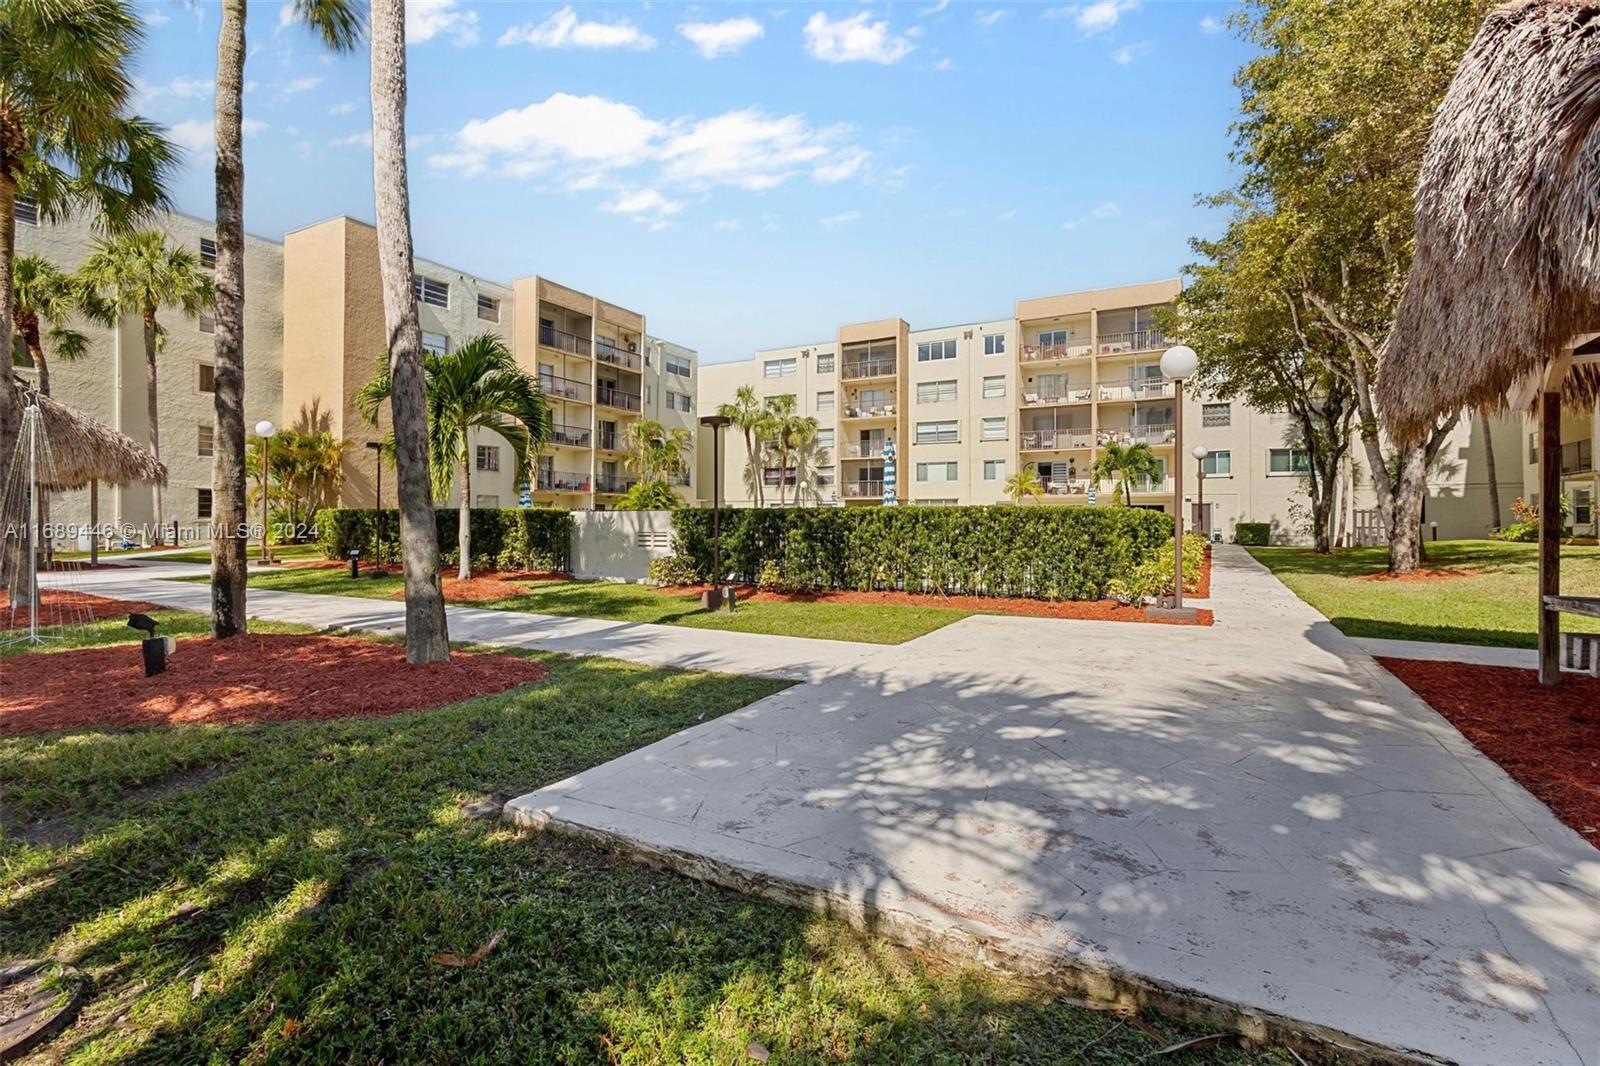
(306, 471)
(44, 301)
(787, 429)
(655, 452)
(1125, 464)
(479, 386)
(141, 274)
(1024, 485)
(750, 416)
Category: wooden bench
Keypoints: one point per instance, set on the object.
(1582, 649)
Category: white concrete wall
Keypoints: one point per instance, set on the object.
(618, 545)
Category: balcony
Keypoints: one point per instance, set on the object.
(1055, 395)
(1066, 486)
(1146, 485)
(1153, 433)
(569, 436)
(874, 366)
(562, 481)
(861, 490)
(558, 388)
(1055, 440)
(858, 450)
(562, 341)
(1050, 353)
(621, 399)
(613, 484)
(1133, 340)
(609, 441)
(1152, 389)
(609, 353)
(875, 410)
(1577, 457)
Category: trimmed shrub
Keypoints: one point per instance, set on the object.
(1055, 553)
(1255, 534)
(672, 570)
(517, 538)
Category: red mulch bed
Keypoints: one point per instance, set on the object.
(252, 678)
(1426, 573)
(491, 585)
(1546, 738)
(64, 607)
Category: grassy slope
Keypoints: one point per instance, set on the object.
(1496, 607)
(259, 892)
(637, 603)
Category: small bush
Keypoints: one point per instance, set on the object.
(1153, 577)
(1255, 534)
(673, 570)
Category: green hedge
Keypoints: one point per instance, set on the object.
(508, 538)
(1255, 534)
(1055, 553)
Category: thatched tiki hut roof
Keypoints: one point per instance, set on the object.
(82, 450)
(1507, 266)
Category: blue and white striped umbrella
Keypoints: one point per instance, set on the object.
(888, 474)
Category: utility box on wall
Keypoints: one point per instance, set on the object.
(618, 545)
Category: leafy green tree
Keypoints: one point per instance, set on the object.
(307, 468)
(655, 452)
(141, 274)
(750, 416)
(787, 430)
(44, 301)
(1024, 485)
(649, 494)
(1125, 464)
(477, 387)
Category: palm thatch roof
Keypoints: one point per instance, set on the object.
(83, 450)
(1507, 265)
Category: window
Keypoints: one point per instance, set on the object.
(778, 368)
(205, 440)
(431, 290)
(824, 362)
(941, 502)
(488, 458)
(1582, 507)
(994, 344)
(1287, 461)
(677, 401)
(1577, 457)
(1217, 464)
(1215, 415)
(435, 343)
(824, 402)
(994, 469)
(936, 391)
(825, 438)
(207, 322)
(486, 501)
(1054, 338)
(938, 432)
(26, 210)
(936, 471)
(488, 308)
(677, 364)
(202, 503)
(825, 478)
(933, 351)
(994, 428)
(994, 387)
(1533, 448)
(208, 378)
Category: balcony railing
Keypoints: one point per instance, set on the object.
(870, 367)
(1158, 433)
(1051, 395)
(618, 398)
(610, 353)
(858, 450)
(1050, 440)
(873, 410)
(1041, 353)
(569, 436)
(861, 490)
(1133, 340)
(1137, 390)
(563, 481)
(562, 341)
(1145, 484)
(1066, 486)
(609, 441)
(613, 484)
(564, 388)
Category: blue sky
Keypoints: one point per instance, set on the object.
(748, 176)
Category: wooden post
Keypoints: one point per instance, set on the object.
(1549, 533)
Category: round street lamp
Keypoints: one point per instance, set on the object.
(265, 430)
(1177, 363)
(1200, 451)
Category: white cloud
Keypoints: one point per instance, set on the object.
(286, 16)
(296, 86)
(934, 10)
(348, 107)
(842, 218)
(1097, 17)
(1129, 52)
(427, 19)
(644, 205)
(713, 39)
(1106, 209)
(844, 166)
(154, 16)
(1212, 24)
(749, 149)
(944, 65)
(591, 130)
(989, 18)
(1007, 215)
(177, 89)
(565, 30)
(199, 134)
(358, 139)
(727, 225)
(854, 39)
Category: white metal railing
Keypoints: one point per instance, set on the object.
(873, 410)
(1046, 440)
(858, 450)
(1137, 390)
(1066, 486)
(1050, 395)
(1132, 340)
(861, 490)
(1160, 433)
(1040, 353)
(868, 367)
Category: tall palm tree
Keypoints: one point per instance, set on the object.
(141, 274)
(655, 452)
(1125, 464)
(747, 412)
(338, 24)
(476, 387)
(44, 300)
(427, 638)
(66, 139)
(1024, 485)
(786, 427)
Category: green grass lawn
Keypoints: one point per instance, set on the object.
(253, 552)
(877, 624)
(1497, 606)
(276, 893)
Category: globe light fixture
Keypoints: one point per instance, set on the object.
(1177, 363)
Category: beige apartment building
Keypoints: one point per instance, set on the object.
(1046, 390)
(314, 332)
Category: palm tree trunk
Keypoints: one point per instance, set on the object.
(10, 402)
(750, 454)
(1488, 468)
(464, 528)
(151, 413)
(227, 467)
(427, 639)
(36, 352)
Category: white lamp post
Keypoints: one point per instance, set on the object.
(1177, 363)
(265, 430)
(1200, 451)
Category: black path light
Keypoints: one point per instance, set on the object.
(716, 596)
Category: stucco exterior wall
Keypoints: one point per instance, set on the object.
(618, 545)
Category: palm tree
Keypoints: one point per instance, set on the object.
(66, 140)
(809, 457)
(476, 387)
(140, 274)
(1024, 484)
(786, 428)
(306, 471)
(749, 415)
(339, 26)
(1125, 464)
(44, 299)
(655, 452)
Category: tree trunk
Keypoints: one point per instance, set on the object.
(427, 639)
(1405, 530)
(464, 526)
(783, 473)
(151, 412)
(229, 518)
(10, 401)
(94, 523)
(755, 463)
(1488, 467)
(35, 343)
